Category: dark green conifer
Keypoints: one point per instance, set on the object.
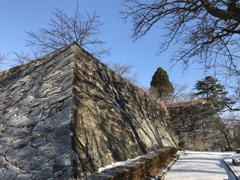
(212, 91)
(160, 82)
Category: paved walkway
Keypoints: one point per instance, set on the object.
(201, 166)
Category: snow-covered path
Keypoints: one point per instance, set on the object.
(201, 166)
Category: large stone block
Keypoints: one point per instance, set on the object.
(236, 161)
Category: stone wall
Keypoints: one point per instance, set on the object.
(35, 116)
(113, 119)
(66, 114)
(199, 126)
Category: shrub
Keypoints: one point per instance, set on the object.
(182, 145)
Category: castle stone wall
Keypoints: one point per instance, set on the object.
(199, 126)
(113, 119)
(66, 114)
(35, 119)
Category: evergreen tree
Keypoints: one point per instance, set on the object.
(160, 82)
(212, 91)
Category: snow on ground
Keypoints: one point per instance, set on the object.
(201, 166)
(235, 169)
(193, 165)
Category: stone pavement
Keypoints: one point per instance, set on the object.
(203, 166)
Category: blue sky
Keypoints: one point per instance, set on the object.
(19, 16)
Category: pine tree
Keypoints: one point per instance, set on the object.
(212, 91)
(160, 82)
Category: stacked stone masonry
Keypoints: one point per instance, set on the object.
(113, 119)
(66, 114)
(35, 116)
(199, 126)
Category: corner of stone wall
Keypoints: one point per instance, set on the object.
(112, 119)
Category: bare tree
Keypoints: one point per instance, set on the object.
(199, 144)
(124, 70)
(179, 93)
(153, 92)
(232, 122)
(2, 59)
(63, 29)
(207, 31)
(22, 57)
(235, 97)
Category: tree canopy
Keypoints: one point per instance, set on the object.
(212, 91)
(161, 84)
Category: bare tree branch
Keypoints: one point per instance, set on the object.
(124, 70)
(205, 29)
(21, 58)
(180, 93)
(3, 58)
(232, 122)
(63, 29)
(207, 32)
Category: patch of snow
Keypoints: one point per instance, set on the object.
(116, 164)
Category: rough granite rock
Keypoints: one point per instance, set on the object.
(66, 114)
